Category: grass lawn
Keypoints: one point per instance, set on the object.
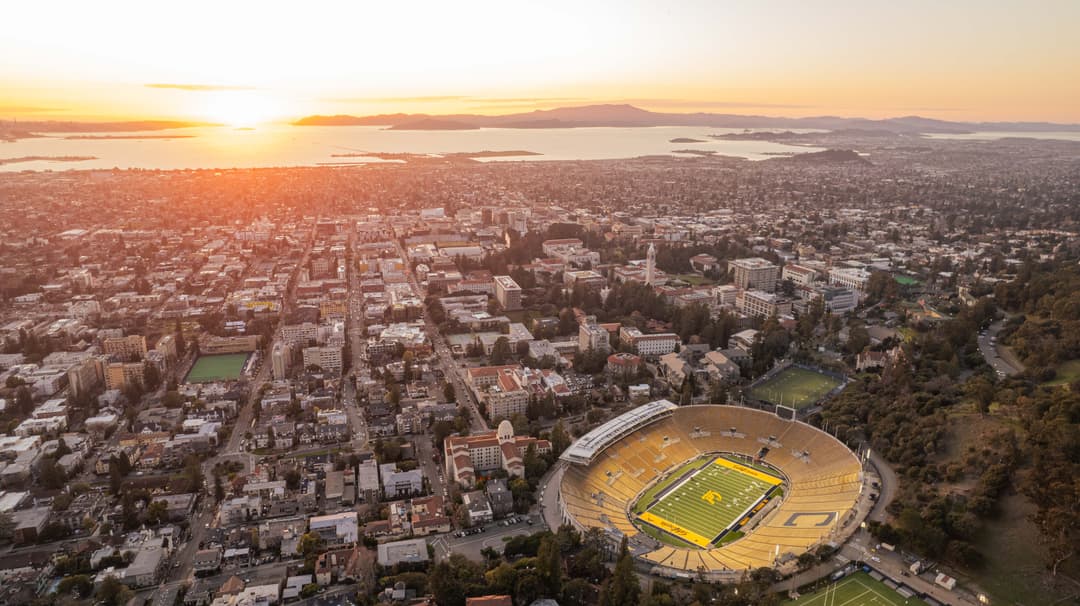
(794, 387)
(222, 367)
(857, 589)
(1067, 373)
(693, 279)
(709, 502)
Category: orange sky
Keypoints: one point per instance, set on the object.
(247, 62)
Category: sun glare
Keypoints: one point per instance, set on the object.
(240, 108)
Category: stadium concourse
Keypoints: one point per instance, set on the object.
(608, 470)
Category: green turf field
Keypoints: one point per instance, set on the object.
(648, 495)
(795, 387)
(221, 367)
(857, 589)
(709, 502)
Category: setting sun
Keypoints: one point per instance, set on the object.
(239, 108)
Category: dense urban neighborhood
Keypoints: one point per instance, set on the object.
(432, 382)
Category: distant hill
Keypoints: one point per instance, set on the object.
(623, 115)
(829, 156)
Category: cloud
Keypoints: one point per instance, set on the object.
(30, 109)
(523, 100)
(420, 99)
(197, 87)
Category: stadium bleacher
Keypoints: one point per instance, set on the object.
(606, 477)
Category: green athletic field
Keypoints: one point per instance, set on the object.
(857, 589)
(648, 496)
(221, 367)
(709, 502)
(795, 387)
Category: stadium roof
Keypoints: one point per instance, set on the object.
(591, 444)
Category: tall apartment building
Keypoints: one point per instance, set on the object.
(507, 293)
(167, 346)
(119, 375)
(280, 358)
(500, 388)
(326, 357)
(754, 273)
(300, 334)
(593, 336)
(132, 347)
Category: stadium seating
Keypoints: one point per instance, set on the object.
(822, 477)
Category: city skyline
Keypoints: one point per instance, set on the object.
(243, 64)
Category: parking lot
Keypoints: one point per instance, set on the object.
(494, 535)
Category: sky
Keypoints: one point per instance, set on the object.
(236, 61)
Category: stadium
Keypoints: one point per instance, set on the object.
(709, 492)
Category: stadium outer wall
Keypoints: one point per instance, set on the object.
(847, 521)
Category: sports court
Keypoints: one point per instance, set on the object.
(704, 505)
(795, 387)
(857, 589)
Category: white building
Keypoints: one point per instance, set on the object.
(326, 357)
(761, 304)
(507, 293)
(849, 277)
(648, 345)
(593, 336)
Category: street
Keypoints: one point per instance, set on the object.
(1000, 358)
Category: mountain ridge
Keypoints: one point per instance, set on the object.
(626, 115)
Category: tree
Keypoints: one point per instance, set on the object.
(112, 592)
(157, 512)
(292, 479)
(560, 440)
(219, 489)
(78, 585)
(151, 376)
(623, 587)
(181, 346)
(116, 480)
(51, 475)
(24, 401)
(449, 393)
(269, 437)
(549, 565)
(453, 579)
(500, 351)
(310, 545)
(193, 473)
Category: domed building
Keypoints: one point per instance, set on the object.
(470, 458)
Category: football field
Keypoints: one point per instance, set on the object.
(857, 589)
(795, 387)
(710, 501)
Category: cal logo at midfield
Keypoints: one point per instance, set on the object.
(712, 497)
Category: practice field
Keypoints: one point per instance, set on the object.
(857, 589)
(708, 502)
(221, 367)
(795, 387)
